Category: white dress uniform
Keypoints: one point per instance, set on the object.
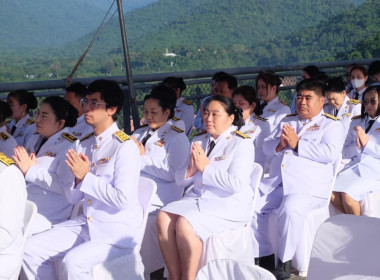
(25, 128)
(184, 110)
(166, 152)
(353, 91)
(7, 142)
(298, 182)
(275, 111)
(46, 183)
(221, 197)
(350, 108)
(12, 208)
(361, 175)
(258, 129)
(81, 129)
(111, 224)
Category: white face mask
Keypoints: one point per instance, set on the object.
(357, 83)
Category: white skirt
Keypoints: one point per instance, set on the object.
(350, 182)
(204, 224)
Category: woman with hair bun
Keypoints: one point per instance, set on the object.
(219, 171)
(7, 142)
(42, 161)
(184, 109)
(22, 125)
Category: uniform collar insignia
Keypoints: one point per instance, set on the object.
(160, 142)
(314, 127)
(220, 158)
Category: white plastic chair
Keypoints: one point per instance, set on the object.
(233, 244)
(346, 247)
(30, 213)
(370, 205)
(233, 270)
(129, 266)
(314, 219)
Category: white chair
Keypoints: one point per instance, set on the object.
(30, 213)
(370, 205)
(233, 270)
(314, 219)
(129, 266)
(346, 247)
(234, 244)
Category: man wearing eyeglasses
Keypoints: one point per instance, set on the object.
(74, 95)
(106, 167)
(305, 146)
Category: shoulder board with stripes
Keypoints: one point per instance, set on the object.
(292, 115)
(122, 136)
(69, 137)
(356, 117)
(241, 134)
(187, 102)
(331, 117)
(283, 102)
(177, 129)
(6, 160)
(201, 133)
(30, 121)
(260, 118)
(86, 137)
(4, 136)
(175, 119)
(354, 101)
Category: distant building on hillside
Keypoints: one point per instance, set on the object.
(168, 54)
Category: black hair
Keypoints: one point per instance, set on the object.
(374, 68)
(230, 109)
(24, 97)
(218, 74)
(335, 85)
(249, 93)
(175, 82)
(79, 89)
(360, 68)
(110, 92)
(224, 77)
(311, 70)
(166, 97)
(313, 85)
(5, 111)
(63, 110)
(371, 88)
(269, 78)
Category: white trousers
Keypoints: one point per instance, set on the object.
(72, 246)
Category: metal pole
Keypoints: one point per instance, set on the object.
(131, 97)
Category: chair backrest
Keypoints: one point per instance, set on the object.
(346, 246)
(233, 270)
(147, 188)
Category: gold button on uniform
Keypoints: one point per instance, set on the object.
(282, 165)
(286, 153)
(89, 218)
(89, 201)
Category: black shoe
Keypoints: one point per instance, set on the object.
(282, 272)
(158, 274)
(266, 262)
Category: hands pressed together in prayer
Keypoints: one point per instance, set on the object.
(289, 138)
(23, 160)
(79, 165)
(361, 137)
(198, 160)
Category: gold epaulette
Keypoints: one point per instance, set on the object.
(175, 119)
(283, 102)
(187, 102)
(354, 101)
(241, 134)
(292, 115)
(260, 118)
(201, 133)
(6, 160)
(331, 117)
(30, 121)
(122, 136)
(177, 129)
(356, 117)
(4, 136)
(69, 137)
(86, 137)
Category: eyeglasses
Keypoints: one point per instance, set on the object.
(38, 114)
(372, 102)
(92, 103)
